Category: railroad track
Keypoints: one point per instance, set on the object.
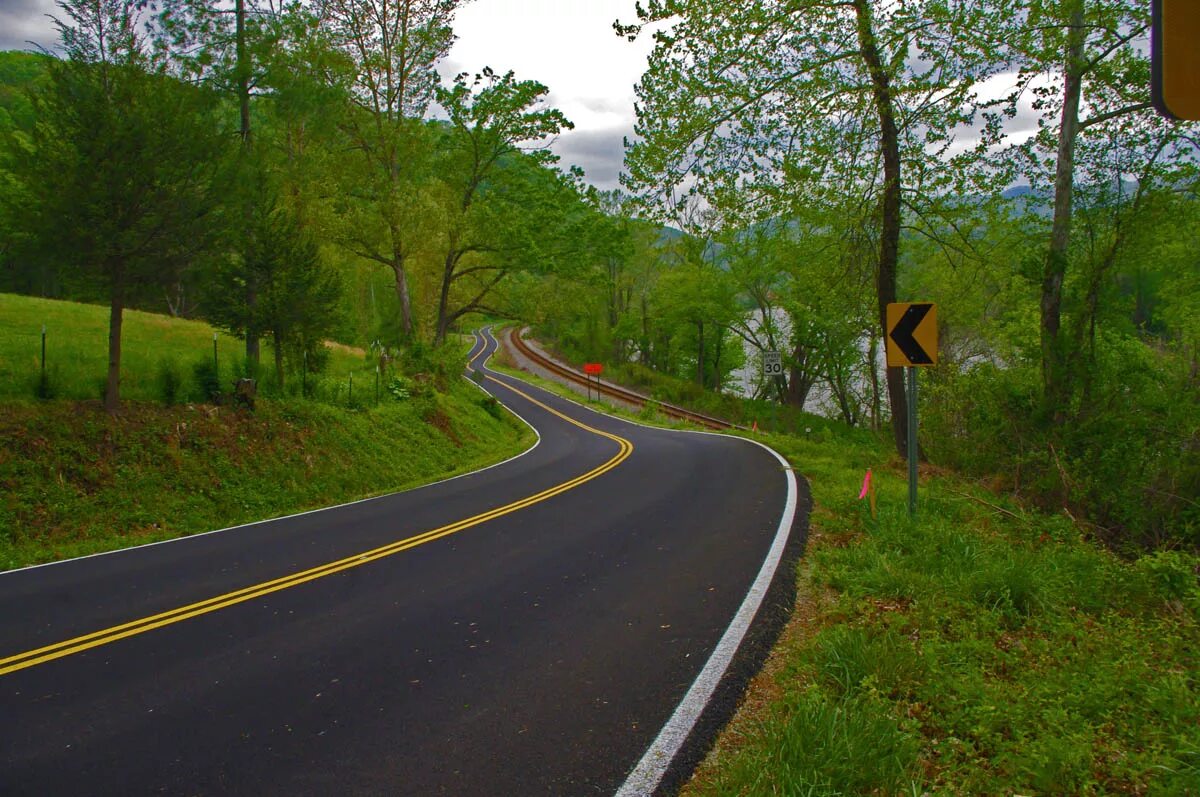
(637, 399)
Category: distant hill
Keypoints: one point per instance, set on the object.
(20, 72)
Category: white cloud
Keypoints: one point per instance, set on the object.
(570, 46)
(25, 21)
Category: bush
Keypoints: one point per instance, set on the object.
(208, 381)
(170, 383)
(1126, 460)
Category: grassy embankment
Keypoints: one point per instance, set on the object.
(981, 649)
(75, 480)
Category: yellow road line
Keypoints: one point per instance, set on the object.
(78, 644)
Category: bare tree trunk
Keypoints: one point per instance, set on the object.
(443, 320)
(1055, 377)
(112, 385)
(243, 70)
(799, 379)
(242, 67)
(873, 370)
(889, 239)
(278, 360)
(402, 295)
(253, 343)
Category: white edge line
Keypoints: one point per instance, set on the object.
(648, 774)
(197, 535)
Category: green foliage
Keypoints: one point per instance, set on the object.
(78, 481)
(983, 652)
(208, 381)
(76, 351)
(1129, 462)
(170, 382)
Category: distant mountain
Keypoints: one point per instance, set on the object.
(19, 73)
(1017, 191)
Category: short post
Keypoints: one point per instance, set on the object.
(216, 363)
(912, 441)
(376, 384)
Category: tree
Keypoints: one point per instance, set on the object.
(1099, 122)
(394, 47)
(297, 295)
(486, 193)
(760, 106)
(124, 156)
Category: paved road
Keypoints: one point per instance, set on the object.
(527, 629)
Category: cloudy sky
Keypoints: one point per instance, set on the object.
(568, 45)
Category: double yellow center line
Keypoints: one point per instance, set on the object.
(105, 636)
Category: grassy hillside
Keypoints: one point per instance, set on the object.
(979, 649)
(77, 352)
(74, 480)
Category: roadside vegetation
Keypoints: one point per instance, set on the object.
(76, 479)
(983, 647)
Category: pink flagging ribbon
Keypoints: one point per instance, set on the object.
(866, 485)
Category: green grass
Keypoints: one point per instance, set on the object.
(77, 353)
(980, 649)
(75, 480)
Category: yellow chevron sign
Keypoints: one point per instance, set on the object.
(912, 334)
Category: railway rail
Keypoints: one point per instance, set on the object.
(613, 391)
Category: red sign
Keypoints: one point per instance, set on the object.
(593, 368)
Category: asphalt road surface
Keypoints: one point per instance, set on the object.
(526, 629)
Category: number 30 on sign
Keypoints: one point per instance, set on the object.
(772, 363)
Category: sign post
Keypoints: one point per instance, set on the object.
(593, 369)
(912, 343)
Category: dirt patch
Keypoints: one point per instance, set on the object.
(439, 420)
(342, 347)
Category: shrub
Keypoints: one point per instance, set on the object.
(170, 383)
(208, 381)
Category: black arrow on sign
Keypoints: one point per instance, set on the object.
(902, 334)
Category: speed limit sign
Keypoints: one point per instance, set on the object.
(772, 364)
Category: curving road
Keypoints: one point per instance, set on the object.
(526, 629)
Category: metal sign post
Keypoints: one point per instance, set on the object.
(912, 441)
(590, 370)
(912, 343)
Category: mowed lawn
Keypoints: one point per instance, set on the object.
(77, 351)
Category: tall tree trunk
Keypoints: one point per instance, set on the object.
(402, 295)
(242, 67)
(1056, 387)
(799, 383)
(644, 342)
(873, 370)
(243, 70)
(112, 385)
(278, 360)
(443, 319)
(889, 239)
(253, 341)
